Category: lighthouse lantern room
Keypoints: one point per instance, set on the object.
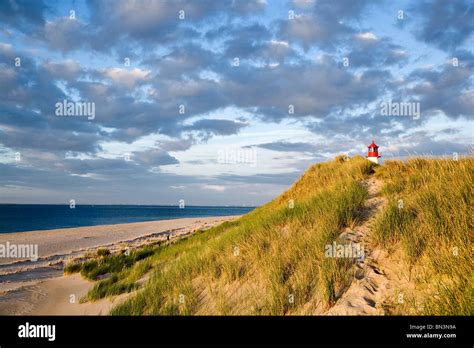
(373, 153)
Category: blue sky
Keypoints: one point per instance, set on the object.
(184, 121)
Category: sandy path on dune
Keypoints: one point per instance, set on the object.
(372, 283)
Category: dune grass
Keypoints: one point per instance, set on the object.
(430, 217)
(106, 263)
(270, 261)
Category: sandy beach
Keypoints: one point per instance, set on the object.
(40, 287)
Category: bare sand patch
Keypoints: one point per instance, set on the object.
(55, 296)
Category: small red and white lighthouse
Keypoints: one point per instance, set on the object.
(373, 154)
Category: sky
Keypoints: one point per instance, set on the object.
(222, 102)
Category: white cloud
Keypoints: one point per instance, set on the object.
(5, 47)
(218, 188)
(367, 36)
(66, 69)
(126, 77)
(280, 43)
(304, 3)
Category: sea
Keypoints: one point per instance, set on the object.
(29, 217)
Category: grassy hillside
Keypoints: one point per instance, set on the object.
(268, 262)
(430, 218)
(271, 261)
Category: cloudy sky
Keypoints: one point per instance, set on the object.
(222, 102)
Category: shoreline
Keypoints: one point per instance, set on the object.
(41, 288)
(49, 217)
(67, 240)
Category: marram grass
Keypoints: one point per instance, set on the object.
(430, 217)
(271, 261)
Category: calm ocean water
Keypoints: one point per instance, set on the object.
(26, 217)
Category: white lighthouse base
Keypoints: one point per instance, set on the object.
(373, 159)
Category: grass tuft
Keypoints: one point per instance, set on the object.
(430, 217)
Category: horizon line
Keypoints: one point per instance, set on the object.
(149, 205)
